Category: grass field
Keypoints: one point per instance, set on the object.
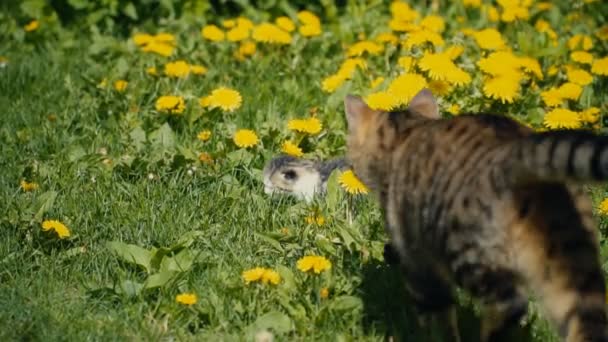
(154, 211)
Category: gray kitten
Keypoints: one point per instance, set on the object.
(302, 178)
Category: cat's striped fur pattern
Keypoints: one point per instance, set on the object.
(484, 203)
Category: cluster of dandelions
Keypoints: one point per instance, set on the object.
(309, 264)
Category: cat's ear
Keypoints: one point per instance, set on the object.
(424, 104)
(355, 109)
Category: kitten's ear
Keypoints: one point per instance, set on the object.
(424, 104)
(355, 109)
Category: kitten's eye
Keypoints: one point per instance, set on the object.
(290, 174)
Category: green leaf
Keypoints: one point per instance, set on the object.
(131, 254)
(159, 279)
(157, 256)
(33, 8)
(163, 137)
(274, 243)
(187, 153)
(130, 288)
(138, 138)
(43, 204)
(334, 193)
(279, 322)
(187, 239)
(181, 262)
(346, 303)
(75, 153)
(130, 11)
(288, 282)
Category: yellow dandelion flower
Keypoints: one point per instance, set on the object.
(382, 100)
(247, 48)
(472, 3)
(602, 33)
(500, 63)
(120, 85)
(186, 298)
(205, 158)
(179, 69)
(253, 274)
(348, 67)
(433, 23)
(454, 51)
(406, 86)
(562, 118)
(590, 115)
(314, 263)
(504, 88)
(159, 48)
(552, 97)
(582, 57)
(362, 47)
(227, 99)
(204, 101)
(285, 23)
(28, 186)
(376, 82)
(141, 39)
(291, 149)
(600, 66)
(151, 71)
(402, 11)
(571, 91)
(324, 293)
(310, 30)
(440, 67)
(423, 36)
(311, 125)
(387, 37)
(492, 13)
(402, 26)
(543, 26)
(32, 26)
(349, 182)
(454, 109)
(271, 276)
(580, 41)
(245, 138)
(56, 226)
(270, 33)
(579, 76)
(263, 275)
(319, 220)
(170, 104)
(238, 33)
(229, 23)
(531, 65)
(212, 33)
(308, 18)
(165, 38)
(603, 208)
(440, 88)
(332, 82)
(544, 6)
(406, 62)
(204, 135)
(489, 39)
(198, 69)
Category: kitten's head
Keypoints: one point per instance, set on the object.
(373, 134)
(288, 175)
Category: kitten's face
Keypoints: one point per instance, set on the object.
(372, 134)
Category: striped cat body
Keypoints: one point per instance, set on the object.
(484, 203)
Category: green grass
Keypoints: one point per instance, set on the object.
(150, 196)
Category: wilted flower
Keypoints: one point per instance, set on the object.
(56, 226)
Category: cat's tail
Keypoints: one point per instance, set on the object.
(562, 155)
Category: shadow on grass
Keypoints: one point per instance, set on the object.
(388, 310)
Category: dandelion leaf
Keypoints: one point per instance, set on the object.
(346, 303)
(132, 254)
(159, 279)
(43, 204)
(181, 262)
(276, 321)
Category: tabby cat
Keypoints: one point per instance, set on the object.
(485, 203)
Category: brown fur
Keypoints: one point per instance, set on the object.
(484, 203)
